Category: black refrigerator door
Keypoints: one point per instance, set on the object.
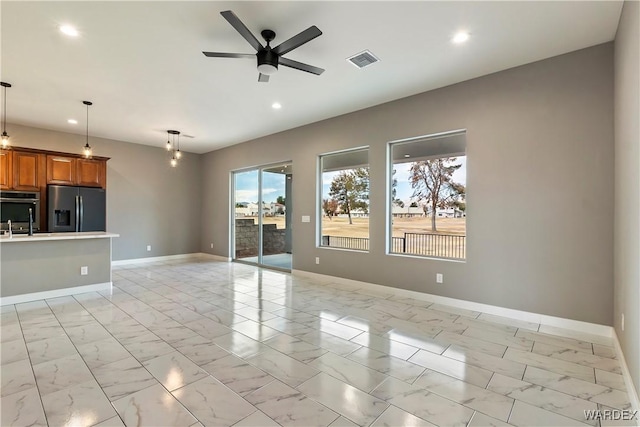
(62, 209)
(93, 209)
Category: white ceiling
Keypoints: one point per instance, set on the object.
(141, 62)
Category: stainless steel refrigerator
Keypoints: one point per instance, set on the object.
(76, 208)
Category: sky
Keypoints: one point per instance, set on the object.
(274, 184)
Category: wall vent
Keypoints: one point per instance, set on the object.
(363, 59)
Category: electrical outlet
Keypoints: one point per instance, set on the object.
(317, 260)
(84, 270)
(212, 246)
(148, 248)
(439, 278)
(622, 322)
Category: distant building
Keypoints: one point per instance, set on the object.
(245, 209)
(410, 212)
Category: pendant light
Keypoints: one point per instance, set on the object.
(173, 148)
(169, 146)
(87, 148)
(5, 135)
(178, 153)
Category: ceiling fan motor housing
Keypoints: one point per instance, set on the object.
(267, 61)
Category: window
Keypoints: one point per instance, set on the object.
(344, 204)
(427, 196)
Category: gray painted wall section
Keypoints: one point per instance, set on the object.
(29, 267)
(627, 186)
(148, 201)
(540, 187)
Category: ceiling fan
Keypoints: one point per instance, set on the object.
(269, 57)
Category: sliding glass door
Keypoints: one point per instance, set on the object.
(262, 216)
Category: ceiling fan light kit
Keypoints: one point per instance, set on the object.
(268, 59)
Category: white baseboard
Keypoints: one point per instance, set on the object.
(214, 257)
(154, 259)
(17, 299)
(169, 258)
(576, 325)
(628, 381)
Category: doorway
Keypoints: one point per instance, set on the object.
(262, 216)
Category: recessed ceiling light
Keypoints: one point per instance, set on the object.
(407, 155)
(69, 30)
(276, 106)
(460, 37)
(72, 121)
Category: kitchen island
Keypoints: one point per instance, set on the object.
(48, 265)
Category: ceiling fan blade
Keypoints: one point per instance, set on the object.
(229, 55)
(241, 28)
(263, 78)
(297, 40)
(300, 66)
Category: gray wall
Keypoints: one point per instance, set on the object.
(148, 201)
(627, 186)
(539, 176)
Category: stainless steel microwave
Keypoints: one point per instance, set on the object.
(14, 207)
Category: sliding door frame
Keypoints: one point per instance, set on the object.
(232, 214)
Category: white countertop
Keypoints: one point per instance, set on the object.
(40, 237)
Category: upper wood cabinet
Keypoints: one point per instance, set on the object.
(22, 170)
(91, 173)
(6, 176)
(76, 171)
(28, 171)
(61, 170)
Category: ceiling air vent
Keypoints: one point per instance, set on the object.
(363, 59)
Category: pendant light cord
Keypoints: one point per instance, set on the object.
(87, 124)
(4, 120)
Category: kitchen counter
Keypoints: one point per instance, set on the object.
(49, 265)
(37, 237)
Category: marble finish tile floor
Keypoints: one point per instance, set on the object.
(207, 343)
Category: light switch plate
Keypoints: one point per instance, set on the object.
(306, 218)
(84, 270)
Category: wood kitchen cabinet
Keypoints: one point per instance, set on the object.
(28, 171)
(76, 171)
(61, 170)
(22, 170)
(6, 176)
(91, 173)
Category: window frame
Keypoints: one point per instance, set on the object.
(389, 202)
(319, 199)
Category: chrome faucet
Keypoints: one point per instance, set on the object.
(10, 231)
